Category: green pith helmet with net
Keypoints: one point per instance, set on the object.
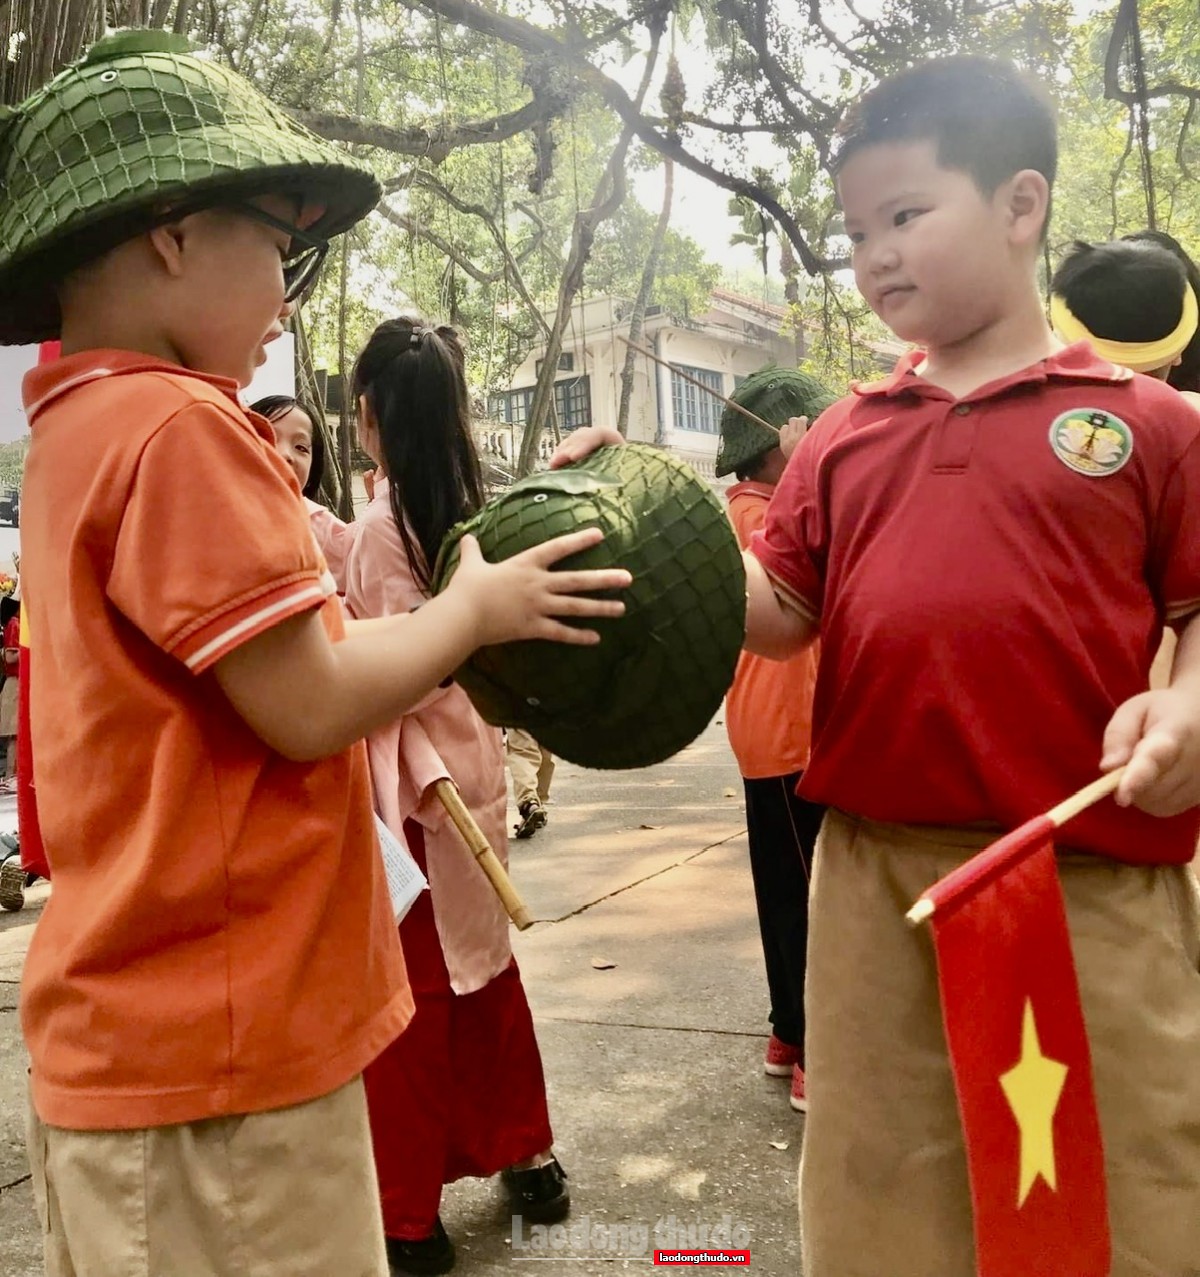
(138, 126)
(659, 672)
(775, 395)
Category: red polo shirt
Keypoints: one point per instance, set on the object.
(991, 576)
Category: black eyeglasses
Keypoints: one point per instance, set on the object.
(305, 253)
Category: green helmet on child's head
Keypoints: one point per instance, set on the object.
(775, 395)
(138, 126)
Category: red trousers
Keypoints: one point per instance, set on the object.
(461, 1090)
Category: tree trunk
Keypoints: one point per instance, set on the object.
(791, 292)
(649, 271)
(309, 390)
(610, 191)
(345, 508)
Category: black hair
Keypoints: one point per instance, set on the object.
(1186, 373)
(752, 467)
(986, 118)
(414, 379)
(1122, 290)
(275, 406)
(9, 607)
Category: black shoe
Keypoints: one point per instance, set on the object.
(428, 1255)
(539, 1195)
(533, 818)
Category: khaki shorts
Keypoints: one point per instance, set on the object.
(884, 1189)
(287, 1193)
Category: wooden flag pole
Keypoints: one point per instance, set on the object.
(1088, 795)
(486, 858)
(1056, 817)
(695, 381)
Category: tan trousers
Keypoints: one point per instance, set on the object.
(288, 1193)
(884, 1188)
(532, 767)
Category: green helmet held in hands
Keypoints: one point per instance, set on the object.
(775, 395)
(138, 126)
(659, 672)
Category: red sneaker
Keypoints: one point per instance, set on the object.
(780, 1058)
(798, 1098)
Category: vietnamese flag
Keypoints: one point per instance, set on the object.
(33, 851)
(1021, 1062)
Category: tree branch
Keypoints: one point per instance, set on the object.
(420, 231)
(718, 126)
(753, 26)
(851, 55)
(609, 193)
(1122, 26)
(434, 143)
(512, 264)
(524, 35)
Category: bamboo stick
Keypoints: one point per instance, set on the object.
(1088, 795)
(1058, 816)
(486, 858)
(695, 381)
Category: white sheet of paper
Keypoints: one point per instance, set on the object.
(404, 878)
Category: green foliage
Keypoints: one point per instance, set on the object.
(787, 69)
(840, 326)
(12, 462)
(684, 279)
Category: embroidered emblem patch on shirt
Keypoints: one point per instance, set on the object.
(1091, 441)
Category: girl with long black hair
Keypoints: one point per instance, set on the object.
(461, 1091)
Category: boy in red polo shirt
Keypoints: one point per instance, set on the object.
(989, 542)
(218, 960)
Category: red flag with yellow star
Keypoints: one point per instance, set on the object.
(1021, 1061)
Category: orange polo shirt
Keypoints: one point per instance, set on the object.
(219, 938)
(768, 710)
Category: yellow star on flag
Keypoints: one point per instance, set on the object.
(1033, 1088)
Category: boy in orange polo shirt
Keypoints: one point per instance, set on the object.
(989, 542)
(768, 716)
(218, 960)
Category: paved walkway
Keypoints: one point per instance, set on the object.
(645, 976)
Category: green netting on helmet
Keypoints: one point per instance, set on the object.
(775, 395)
(137, 125)
(658, 675)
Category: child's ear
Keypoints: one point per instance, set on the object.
(1026, 198)
(166, 243)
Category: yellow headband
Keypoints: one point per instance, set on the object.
(1141, 356)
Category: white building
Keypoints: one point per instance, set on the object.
(736, 336)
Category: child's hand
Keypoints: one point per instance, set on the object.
(1157, 734)
(791, 434)
(581, 443)
(520, 597)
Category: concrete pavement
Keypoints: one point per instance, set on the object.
(645, 976)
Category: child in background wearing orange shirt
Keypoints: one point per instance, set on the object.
(218, 960)
(768, 715)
